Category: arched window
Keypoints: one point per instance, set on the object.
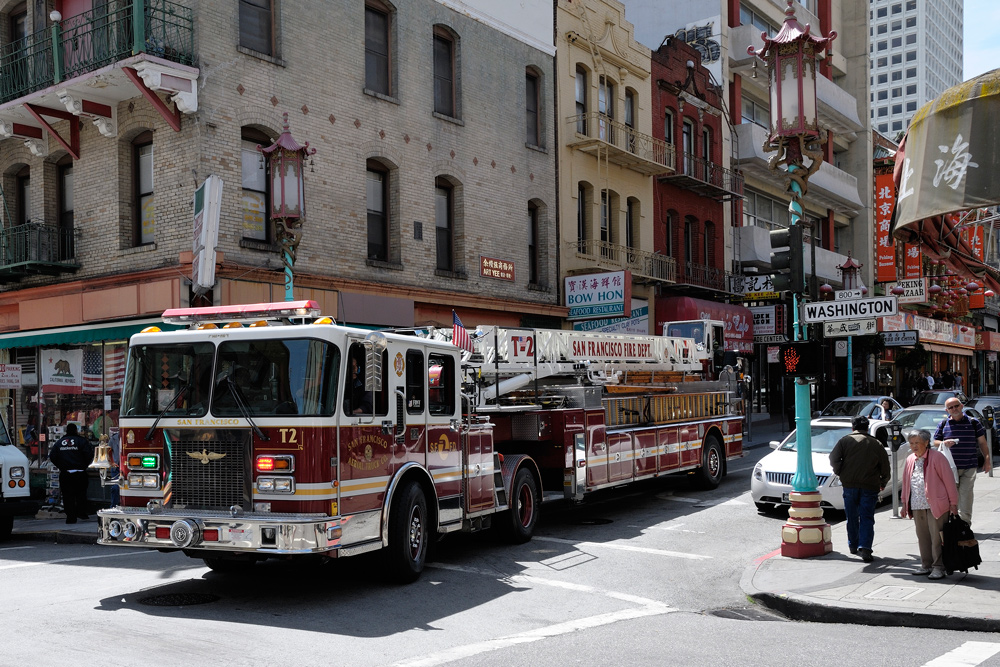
(446, 76)
(709, 243)
(145, 210)
(377, 197)
(630, 111)
(444, 212)
(22, 213)
(690, 232)
(687, 145)
(64, 187)
(257, 21)
(584, 192)
(256, 207)
(532, 243)
(532, 107)
(631, 222)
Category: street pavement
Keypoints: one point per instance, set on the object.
(841, 588)
(834, 588)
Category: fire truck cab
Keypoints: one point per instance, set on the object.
(270, 431)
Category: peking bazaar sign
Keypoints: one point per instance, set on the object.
(885, 245)
(912, 262)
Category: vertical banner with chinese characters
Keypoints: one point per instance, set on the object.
(885, 245)
(912, 265)
(976, 241)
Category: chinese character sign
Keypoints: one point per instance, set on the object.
(912, 263)
(950, 157)
(885, 245)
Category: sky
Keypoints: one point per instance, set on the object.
(982, 47)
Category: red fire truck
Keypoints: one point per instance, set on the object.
(268, 430)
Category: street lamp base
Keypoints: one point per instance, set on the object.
(805, 534)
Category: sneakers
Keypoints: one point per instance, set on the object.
(936, 573)
(922, 571)
(866, 554)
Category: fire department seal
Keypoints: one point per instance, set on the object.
(443, 446)
(367, 452)
(398, 365)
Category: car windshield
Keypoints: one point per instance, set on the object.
(848, 408)
(925, 419)
(824, 437)
(980, 403)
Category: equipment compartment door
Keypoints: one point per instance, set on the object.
(619, 456)
(645, 452)
(690, 445)
(479, 468)
(667, 437)
(597, 449)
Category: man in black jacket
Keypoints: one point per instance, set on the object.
(863, 467)
(72, 454)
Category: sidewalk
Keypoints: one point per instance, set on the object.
(53, 528)
(840, 588)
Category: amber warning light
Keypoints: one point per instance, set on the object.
(801, 359)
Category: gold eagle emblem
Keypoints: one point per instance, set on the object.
(205, 456)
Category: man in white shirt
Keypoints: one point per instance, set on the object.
(930, 381)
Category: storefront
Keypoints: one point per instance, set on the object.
(951, 346)
(984, 376)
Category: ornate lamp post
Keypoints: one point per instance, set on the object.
(794, 134)
(286, 189)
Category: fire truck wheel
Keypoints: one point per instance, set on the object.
(524, 504)
(710, 472)
(6, 527)
(407, 550)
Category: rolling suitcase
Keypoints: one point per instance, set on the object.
(960, 550)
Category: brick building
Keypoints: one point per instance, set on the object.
(432, 186)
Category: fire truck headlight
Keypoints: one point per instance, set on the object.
(143, 481)
(275, 485)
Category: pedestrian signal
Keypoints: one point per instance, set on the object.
(801, 359)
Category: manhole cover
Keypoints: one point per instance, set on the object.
(592, 522)
(178, 599)
(747, 614)
(893, 593)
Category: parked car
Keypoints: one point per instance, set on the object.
(929, 416)
(771, 481)
(938, 396)
(852, 406)
(980, 402)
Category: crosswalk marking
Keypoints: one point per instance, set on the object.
(968, 654)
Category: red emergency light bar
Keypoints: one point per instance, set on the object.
(253, 311)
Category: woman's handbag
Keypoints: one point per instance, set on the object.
(959, 547)
(944, 449)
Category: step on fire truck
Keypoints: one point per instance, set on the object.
(270, 431)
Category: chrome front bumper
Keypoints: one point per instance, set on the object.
(252, 532)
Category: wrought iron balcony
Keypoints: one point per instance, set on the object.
(600, 135)
(36, 249)
(96, 38)
(642, 264)
(703, 276)
(706, 178)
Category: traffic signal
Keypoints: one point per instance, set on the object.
(800, 359)
(788, 269)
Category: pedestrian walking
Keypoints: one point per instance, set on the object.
(929, 496)
(72, 454)
(862, 465)
(963, 435)
(930, 380)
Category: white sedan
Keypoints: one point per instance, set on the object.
(771, 481)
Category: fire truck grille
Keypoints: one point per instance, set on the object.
(209, 473)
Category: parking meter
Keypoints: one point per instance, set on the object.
(988, 415)
(895, 442)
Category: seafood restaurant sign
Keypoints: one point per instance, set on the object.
(599, 295)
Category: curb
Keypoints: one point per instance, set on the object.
(802, 608)
(56, 536)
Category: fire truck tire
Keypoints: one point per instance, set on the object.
(519, 522)
(710, 473)
(6, 527)
(407, 551)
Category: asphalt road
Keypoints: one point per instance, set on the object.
(648, 575)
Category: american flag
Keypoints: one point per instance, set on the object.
(459, 336)
(114, 366)
(93, 370)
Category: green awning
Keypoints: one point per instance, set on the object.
(86, 333)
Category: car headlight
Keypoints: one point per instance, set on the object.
(758, 472)
(834, 481)
(17, 472)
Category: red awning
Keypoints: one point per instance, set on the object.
(738, 319)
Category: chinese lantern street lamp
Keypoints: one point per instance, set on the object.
(286, 188)
(791, 59)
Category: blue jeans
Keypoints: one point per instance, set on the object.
(859, 506)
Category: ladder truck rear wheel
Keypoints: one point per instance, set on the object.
(520, 520)
(710, 473)
(407, 551)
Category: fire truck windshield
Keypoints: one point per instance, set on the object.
(694, 330)
(158, 374)
(276, 377)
